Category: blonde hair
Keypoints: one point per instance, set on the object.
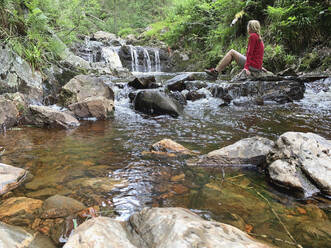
(254, 26)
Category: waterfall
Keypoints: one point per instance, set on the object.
(157, 60)
(147, 61)
(110, 55)
(134, 58)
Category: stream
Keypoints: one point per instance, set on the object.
(101, 163)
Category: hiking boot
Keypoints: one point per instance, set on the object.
(212, 72)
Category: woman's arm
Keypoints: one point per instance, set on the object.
(252, 41)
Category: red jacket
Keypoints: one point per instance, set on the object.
(255, 51)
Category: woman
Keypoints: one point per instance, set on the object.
(255, 50)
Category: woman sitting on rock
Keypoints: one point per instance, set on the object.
(255, 50)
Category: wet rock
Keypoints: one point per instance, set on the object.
(305, 157)
(104, 184)
(249, 151)
(8, 114)
(20, 211)
(144, 83)
(178, 83)
(100, 232)
(162, 228)
(169, 147)
(43, 116)
(196, 84)
(178, 96)
(60, 206)
(194, 96)
(156, 103)
(81, 87)
(178, 227)
(98, 107)
(11, 177)
(12, 236)
(275, 91)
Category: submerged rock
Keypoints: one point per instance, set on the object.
(11, 177)
(168, 147)
(302, 161)
(81, 87)
(98, 107)
(162, 228)
(156, 103)
(20, 211)
(46, 116)
(12, 236)
(61, 206)
(250, 151)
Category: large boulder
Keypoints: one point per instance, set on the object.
(156, 103)
(81, 87)
(11, 177)
(18, 76)
(178, 227)
(249, 151)
(8, 114)
(97, 106)
(46, 116)
(12, 236)
(302, 161)
(162, 228)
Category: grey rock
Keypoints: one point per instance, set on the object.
(12, 236)
(162, 228)
(81, 87)
(249, 151)
(101, 232)
(8, 113)
(98, 107)
(61, 206)
(46, 116)
(178, 83)
(156, 103)
(274, 91)
(306, 158)
(11, 177)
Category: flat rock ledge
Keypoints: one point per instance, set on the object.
(162, 228)
(10, 177)
(249, 151)
(46, 116)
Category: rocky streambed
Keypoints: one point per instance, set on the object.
(253, 153)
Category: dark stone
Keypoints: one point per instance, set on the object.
(154, 102)
(178, 83)
(193, 96)
(178, 97)
(144, 83)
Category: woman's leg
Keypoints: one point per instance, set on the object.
(228, 58)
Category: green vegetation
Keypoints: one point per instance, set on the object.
(203, 28)
(38, 30)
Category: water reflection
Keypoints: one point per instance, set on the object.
(100, 163)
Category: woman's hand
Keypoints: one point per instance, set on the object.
(248, 73)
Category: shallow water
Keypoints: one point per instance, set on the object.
(100, 163)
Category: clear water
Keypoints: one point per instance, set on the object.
(100, 163)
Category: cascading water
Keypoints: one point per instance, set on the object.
(147, 61)
(157, 60)
(134, 58)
